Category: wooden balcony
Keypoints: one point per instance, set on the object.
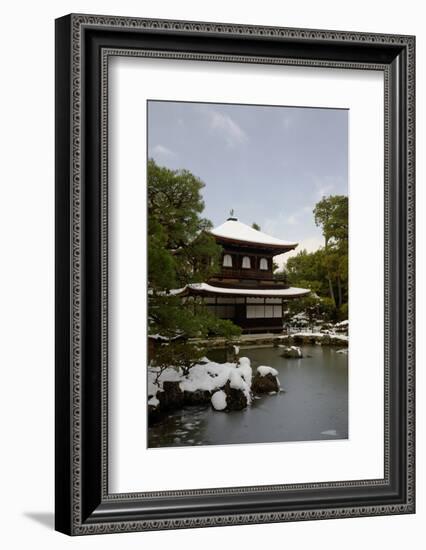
(256, 274)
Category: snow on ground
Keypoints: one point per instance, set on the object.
(319, 335)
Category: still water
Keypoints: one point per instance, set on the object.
(313, 405)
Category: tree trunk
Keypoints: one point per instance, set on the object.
(339, 290)
(330, 287)
(330, 284)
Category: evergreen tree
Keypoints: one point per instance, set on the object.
(332, 215)
(325, 271)
(180, 252)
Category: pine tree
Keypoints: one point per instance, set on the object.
(180, 251)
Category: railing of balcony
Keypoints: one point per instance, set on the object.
(231, 273)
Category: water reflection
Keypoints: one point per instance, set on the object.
(313, 405)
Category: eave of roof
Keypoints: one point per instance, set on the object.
(205, 289)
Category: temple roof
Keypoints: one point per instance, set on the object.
(235, 230)
(205, 288)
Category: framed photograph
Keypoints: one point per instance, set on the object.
(234, 274)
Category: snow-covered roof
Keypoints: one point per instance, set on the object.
(238, 231)
(205, 287)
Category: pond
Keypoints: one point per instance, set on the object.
(313, 405)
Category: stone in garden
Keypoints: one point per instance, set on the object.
(236, 399)
(171, 397)
(198, 397)
(292, 352)
(265, 380)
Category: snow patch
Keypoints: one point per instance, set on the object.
(234, 229)
(263, 371)
(153, 401)
(205, 287)
(219, 400)
(206, 376)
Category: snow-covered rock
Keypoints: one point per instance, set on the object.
(237, 396)
(198, 397)
(292, 352)
(218, 400)
(265, 380)
(244, 367)
(263, 371)
(172, 395)
(228, 386)
(198, 386)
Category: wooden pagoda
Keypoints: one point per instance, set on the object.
(245, 291)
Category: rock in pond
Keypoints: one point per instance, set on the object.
(292, 352)
(236, 399)
(229, 399)
(265, 380)
(171, 397)
(198, 397)
(218, 400)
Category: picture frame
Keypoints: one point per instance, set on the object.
(84, 504)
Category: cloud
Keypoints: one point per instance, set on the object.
(292, 219)
(324, 185)
(310, 244)
(227, 128)
(162, 151)
(281, 222)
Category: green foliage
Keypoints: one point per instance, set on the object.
(332, 215)
(188, 317)
(344, 312)
(182, 355)
(255, 226)
(308, 270)
(309, 305)
(327, 309)
(325, 271)
(180, 251)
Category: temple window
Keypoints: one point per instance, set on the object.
(227, 260)
(263, 264)
(246, 262)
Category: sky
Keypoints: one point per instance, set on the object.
(271, 165)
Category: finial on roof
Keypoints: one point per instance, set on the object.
(231, 216)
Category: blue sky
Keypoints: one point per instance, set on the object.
(270, 164)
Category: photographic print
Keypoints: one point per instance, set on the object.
(204, 304)
(247, 274)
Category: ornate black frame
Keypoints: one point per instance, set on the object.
(83, 45)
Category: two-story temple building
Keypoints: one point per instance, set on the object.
(245, 290)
